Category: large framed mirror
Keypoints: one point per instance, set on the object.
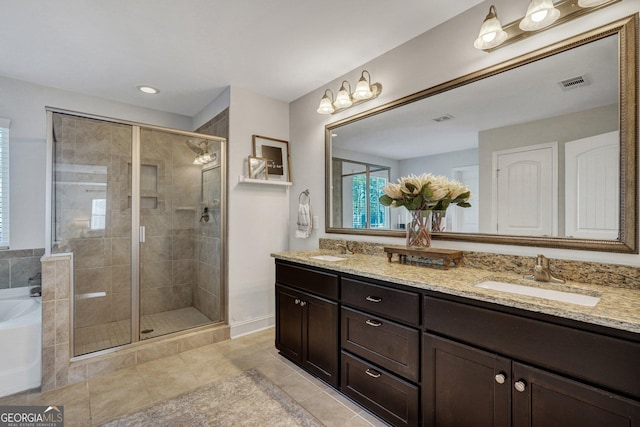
(547, 142)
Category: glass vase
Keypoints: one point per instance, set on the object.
(438, 222)
(418, 229)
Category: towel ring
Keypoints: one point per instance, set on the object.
(304, 193)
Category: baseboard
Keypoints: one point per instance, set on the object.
(253, 325)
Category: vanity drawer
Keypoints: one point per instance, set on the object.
(393, 346)
(390, 397)
(313, 281)
(598, 359)
(403, 306)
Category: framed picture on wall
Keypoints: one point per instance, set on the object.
(276, 151)
(258, 167)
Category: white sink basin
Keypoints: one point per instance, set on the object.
(327, 258)
(571, 298)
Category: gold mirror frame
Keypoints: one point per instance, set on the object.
(627, 31)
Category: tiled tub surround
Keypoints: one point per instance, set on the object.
(17, 266)
(618, 308)
(57, 368)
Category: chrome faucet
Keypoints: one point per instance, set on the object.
(346, 249)
(542, 272)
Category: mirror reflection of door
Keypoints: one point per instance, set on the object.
(526, 183)
(466, 220)
(592, 181)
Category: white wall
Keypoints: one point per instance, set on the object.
(258, 219)
(437, 56)
(24, 104)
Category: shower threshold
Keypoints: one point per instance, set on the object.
(113, 334)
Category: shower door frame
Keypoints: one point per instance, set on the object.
(137, 232)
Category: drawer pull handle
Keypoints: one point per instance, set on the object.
(501, 378)
(374, 299)
(373, 323)
(372, 373)
(297, 301)
(520, 385)
(303, 303)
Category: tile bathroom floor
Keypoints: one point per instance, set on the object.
(109, 396)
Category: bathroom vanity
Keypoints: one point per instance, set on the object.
(422, 346)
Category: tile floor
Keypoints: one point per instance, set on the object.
(102, 398)
(107, 335)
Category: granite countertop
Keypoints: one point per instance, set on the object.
(618, 308)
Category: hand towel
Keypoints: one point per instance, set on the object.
(305, 226)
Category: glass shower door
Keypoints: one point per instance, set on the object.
(180, 252)
(92, 220)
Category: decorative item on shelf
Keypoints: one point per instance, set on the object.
(276, 153)
(257, 167)
(446, 255)
(365, 90)
(541, 14)
(421, 195)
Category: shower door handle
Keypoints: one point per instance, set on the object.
(142, 234)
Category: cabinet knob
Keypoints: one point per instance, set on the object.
(372, 373)
(297, 301)
(520, 385)
(373, 323)
(500, 378)
(303, 303)
(373, 299)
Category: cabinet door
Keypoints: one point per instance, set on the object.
(320, 338)
(548, 400)
(289, 323)
(464, 386)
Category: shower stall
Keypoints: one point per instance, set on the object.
(142, 211)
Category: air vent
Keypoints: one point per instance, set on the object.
(443, 118)
(574, 82)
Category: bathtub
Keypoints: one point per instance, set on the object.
(21, 341)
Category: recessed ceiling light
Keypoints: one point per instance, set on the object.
(147, 89)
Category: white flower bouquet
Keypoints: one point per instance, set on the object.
(427, 191)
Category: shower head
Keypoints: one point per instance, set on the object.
(197, 147)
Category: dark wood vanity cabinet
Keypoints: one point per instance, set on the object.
(307, 324)
(417, 357)
(467, 385)
(381, 349)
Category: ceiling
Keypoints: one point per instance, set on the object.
(191, 50)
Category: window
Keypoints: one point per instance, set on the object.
(98, 214)
(4, 183)
(366, 182)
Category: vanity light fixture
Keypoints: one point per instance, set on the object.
(148, 89)
(364, 91)
(541, 14)
(491, 32)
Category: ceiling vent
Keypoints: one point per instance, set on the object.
(574, 82)
(443, 118)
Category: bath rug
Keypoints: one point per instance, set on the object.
(246, 399)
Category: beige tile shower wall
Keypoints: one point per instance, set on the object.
(92, 163)
(168, 254)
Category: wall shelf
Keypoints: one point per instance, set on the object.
(244, 180)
